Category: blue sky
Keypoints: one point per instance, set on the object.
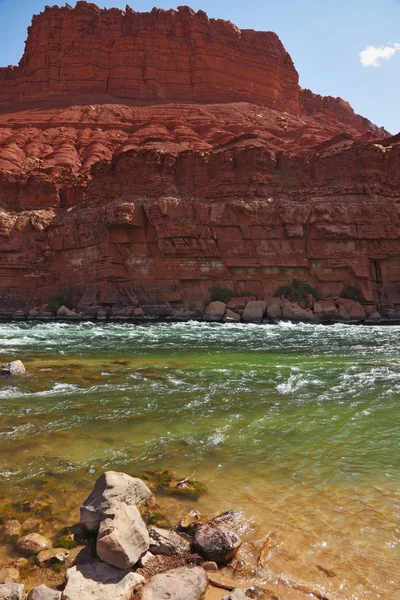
(324, 38)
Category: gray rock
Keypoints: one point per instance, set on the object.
(33, 543)
(11, 591)
(215, 311)
(65, 313)
(16, 367)
(217, 543)
(123, 537)
(236, 595)
(109, 487)
(100, 581)
(42, 592)
(254, 311)
(274, 311)
(167, 542)
(179, 584)
(46, 558)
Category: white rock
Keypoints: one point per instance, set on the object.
(123, 537)
(16, 367)
(42, 592)
(179, 584)
(167, 542)
(109, 487)
(99, 581)
(11, 591)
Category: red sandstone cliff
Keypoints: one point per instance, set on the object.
(146, 157)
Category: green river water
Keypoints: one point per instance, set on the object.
(296, 426)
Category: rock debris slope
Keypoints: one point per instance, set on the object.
(145, 157)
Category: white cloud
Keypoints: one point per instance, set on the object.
(371, 56)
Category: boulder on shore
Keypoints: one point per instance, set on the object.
(100, 581)
(167, 542)
(42, 592)
(254, 311)
(123, 537)
(110, 487)
(184, 583)
(215, 311)
(16, 367)
(218, 544)
(11, 591)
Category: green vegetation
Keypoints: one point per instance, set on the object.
(220, 294)
(297, 291)
(351, 293)
(60, 298)
(164, 482)
(65, 541)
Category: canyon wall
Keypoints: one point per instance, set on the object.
(149, 204)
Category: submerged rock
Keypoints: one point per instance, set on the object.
(218, 543)
(46, 558)
(123, 537)
(9, 575)
(184, 583)
(167, 542)
(11, 528)
(42, 592)
(33, 543)
(11, 591)
(100, 581)
(16, 367)
(110, 487)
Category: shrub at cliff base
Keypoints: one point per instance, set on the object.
(220, 294)
(297, 291)
(351, 293)
(61, 298)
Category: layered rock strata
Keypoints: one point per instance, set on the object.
(189, 180)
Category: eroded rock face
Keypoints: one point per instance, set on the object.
(113, 488)
(178, 584)
(146, 202)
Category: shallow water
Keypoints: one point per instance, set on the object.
(296, 426)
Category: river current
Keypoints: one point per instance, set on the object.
(296, 426)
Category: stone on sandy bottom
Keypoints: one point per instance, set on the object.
(16, 367)
(11, 591)
(112, 486)
(179, 584)
(236, 595)
(11, 528)
(215, 311)
(9, 575)
(218, 543)
(45, 558)
(33, 543)
(42, 592)
(123, 537)
(254, 311)
(100, 581)
(167, 542)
